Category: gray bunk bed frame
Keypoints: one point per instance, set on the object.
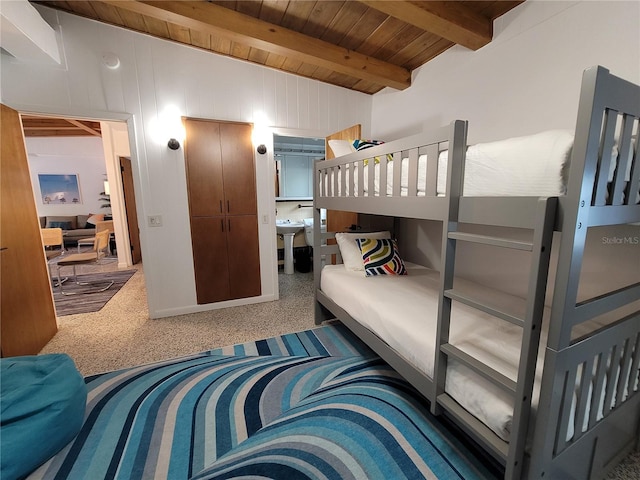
(572, 367)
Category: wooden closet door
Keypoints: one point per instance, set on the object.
(204, 168)
(210, 259)
(238, 169)
(27, 314)
(244, 256)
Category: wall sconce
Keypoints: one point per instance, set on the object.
(167, 128)
(261, 135)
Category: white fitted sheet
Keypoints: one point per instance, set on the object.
(533, 165)
(402, 310)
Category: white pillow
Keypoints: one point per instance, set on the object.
(341, 147)
(350, 251)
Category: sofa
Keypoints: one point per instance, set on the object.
(74, 227)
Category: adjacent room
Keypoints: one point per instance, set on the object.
(320, 239)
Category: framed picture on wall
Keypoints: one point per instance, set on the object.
(59, 189)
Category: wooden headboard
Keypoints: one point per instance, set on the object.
(339, 221)
(350, 133)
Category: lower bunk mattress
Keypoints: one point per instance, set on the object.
(403, 311)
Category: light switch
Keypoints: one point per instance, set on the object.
(155, 220)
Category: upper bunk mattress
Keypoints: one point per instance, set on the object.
(534, 165)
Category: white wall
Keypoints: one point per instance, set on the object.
(153, 75)
(82, 156)
(525, 81)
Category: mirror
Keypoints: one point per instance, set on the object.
(294, 158)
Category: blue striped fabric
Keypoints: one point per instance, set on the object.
(347, 415)
(333, 339)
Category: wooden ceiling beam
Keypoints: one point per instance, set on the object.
(85, 127)
(256, 33)
(451, 20)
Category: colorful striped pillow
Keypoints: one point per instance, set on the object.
(381, 257)
(359, 144)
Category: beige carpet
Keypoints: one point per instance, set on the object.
(122, 335)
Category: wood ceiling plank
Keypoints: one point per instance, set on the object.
(58, 127)
(307, 70)
(179, 33)
(349, 14)
(248, 8)
(156, 26)
(200, 39)
(451, 20)
(132, 20)
(367, 87)
(275, 61)
(83, 8)
(240, 50)
(362, 29)
(85, 126)
(63, 5)
(323, 12)
(273, 11)
(439, 46)
(258, 56)
(405, 35)
(256, 33)
(221, 44)
(108, 13)
(385, 32)
(297, 14)
(292, 66)
(415, 47)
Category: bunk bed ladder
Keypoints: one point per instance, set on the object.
(510, 454)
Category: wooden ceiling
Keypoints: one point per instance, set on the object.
(35, 126)
(357, 44)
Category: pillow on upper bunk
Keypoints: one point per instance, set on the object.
(360, 144)
(381, 257)
(341, 147)
(364, 144)
(350, 251)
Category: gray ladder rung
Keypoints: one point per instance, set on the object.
(488, 240)
(483, 369)
(454, 295)
(475, 428)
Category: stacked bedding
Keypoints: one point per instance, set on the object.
(532, 165)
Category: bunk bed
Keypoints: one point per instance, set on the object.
(575, 359)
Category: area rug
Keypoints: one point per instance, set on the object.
(92, 302)
(278, 415)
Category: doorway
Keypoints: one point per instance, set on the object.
(108, 151)
(294, 157)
